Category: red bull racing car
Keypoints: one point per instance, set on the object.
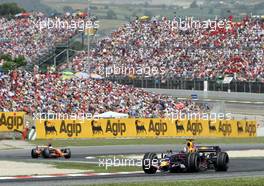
(50, 152)
(191, 159)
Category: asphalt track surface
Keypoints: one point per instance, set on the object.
(246, 103)
(131, 178)
(241, 167)
(212, 95)
(79, 153)
(238, 168)
(244, 108)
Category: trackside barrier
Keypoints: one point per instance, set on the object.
(32, 134)
(111, 128)
(11, 121)
(260, 129)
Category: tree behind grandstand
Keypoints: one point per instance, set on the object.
(10, 9)
(11, 64)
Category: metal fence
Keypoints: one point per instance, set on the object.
(172, 83)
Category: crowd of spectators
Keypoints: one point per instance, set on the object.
(235, 49)
(31, 36)
(49, 93)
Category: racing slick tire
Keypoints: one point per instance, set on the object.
(193, 162)
(147, 163)
(67, 153)
(46, 153)
(34, 153)
(222, 160)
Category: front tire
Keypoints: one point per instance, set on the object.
(46, 153)
(34, 154)
(67, 153)
(150, 163)
(193, 162)
(222, 161)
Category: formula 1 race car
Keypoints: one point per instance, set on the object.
(50, 152)
(191, 159)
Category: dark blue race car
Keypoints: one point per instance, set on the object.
(191, 159)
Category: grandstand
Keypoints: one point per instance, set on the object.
(228, 58)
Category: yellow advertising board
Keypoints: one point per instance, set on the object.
(90, 31)
(137, 127)
(10, 121)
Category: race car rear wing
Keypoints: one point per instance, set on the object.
(42, 146)
(208, 148)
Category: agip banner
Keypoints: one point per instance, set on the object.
(82, 128)
(10, 121)
(110, 128)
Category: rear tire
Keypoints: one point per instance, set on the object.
(67, 153)
(147, 163)
(34, 154)
(193, 162)
(46, 153)
(222, 160)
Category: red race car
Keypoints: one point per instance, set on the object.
(50, 152)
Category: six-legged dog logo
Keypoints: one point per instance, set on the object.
(211, 126)
(96, 128)
(179, 126)
(140, 128)
(49, 128)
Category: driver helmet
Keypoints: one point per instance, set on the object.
(190, 146)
